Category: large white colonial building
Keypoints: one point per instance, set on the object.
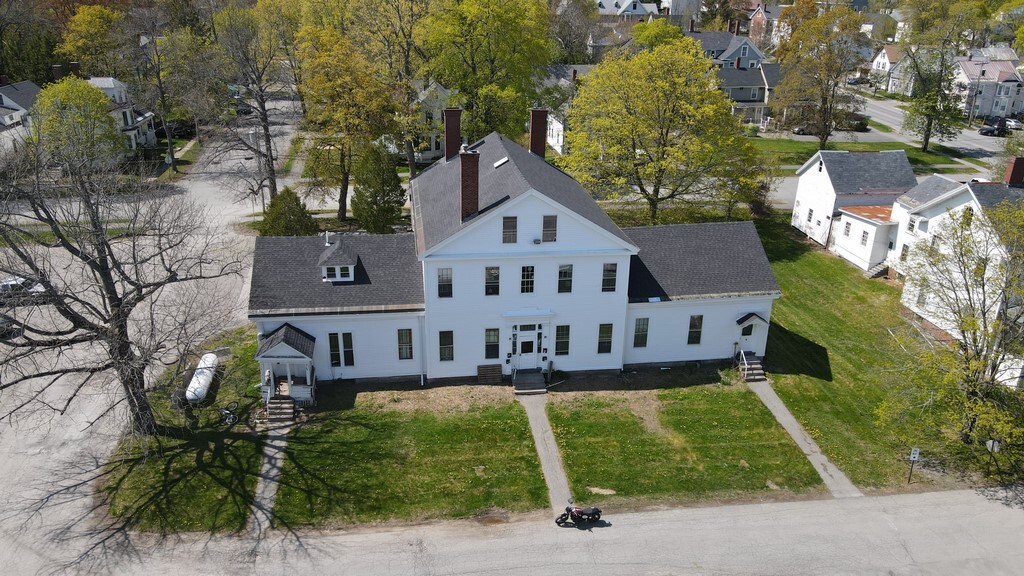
(511, 264)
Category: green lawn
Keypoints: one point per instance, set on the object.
(831, 358)
(796, 152)
(710, 441)
(196, 474)
(293, 152)
(367, 463)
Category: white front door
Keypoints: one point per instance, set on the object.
(528, 346)
(747, 338)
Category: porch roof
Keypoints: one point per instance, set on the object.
(291, 336)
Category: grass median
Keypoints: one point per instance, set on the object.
(789, 152)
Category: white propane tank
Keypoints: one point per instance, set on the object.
(202, 378)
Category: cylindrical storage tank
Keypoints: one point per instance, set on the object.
(202, 378)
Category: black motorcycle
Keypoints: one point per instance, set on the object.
(578, 515)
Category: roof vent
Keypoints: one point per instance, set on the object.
(500, 162)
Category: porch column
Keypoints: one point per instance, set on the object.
(288, 369)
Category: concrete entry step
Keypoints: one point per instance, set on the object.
(529, 383)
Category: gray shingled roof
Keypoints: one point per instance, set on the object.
(865, 172)
(991, 194)
(931, 188)
(713, 41)
(338, 253)
(300, 341)
(435, 192)
(694, 260)
(740, 77)
(22, 93)
(286, 276)
(772, 73)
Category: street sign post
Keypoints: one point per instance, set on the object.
(915, 455)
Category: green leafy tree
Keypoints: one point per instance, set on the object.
(487, 51)
(818, 57)
(969, 281)
(939, 31)
(123, 277)
(656, 33)
(93, 39)
(654, 127)
(573, 22)
(378, 196)
(390, 34)
(75, 126)
(792, 18)
(346, 102)
(287, 216)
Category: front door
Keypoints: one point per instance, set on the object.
(527, 347)
(747, 339)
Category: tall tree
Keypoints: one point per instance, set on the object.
(487, 51)
(287, 216)
(968, 280)
(93, 39)
(938, 32)
(378, 195)
(122, 278)
(792, 18)
(819, 56)
(656, 33)
(390, 34)
(147, 27)
(573, 23)
(285, 17)
(250, 47)
(655, 127)
(346, 103)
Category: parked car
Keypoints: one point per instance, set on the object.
(804, 131)
(992, 131)
(15, 291)
(858, 80)
(177, 128)
(1014, 124)
(994, 121)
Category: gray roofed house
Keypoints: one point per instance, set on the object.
(991, 194)
(16, 102)
(291, 336)
(686, 261)
(888, 171)
(435, 201)
(725, 48)
(931, 188)
(287, 278)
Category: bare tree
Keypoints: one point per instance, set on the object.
(117, 276)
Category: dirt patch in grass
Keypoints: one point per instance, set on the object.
(445, 400)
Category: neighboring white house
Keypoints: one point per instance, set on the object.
(626, 8)
(883, 62)
(565, 77)
(136, 125)
(988, 87)
(16, 101)
(863, 235)
(834, 179)
(511, 266)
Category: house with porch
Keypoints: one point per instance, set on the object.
(727, 50)
(511, 267)
(136, 125)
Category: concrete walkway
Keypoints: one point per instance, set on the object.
(547, 450)
(834, 479)
(267, 483)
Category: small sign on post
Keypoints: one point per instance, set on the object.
(915, 455)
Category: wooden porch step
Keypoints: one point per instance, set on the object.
(281, 410)
(489, 374)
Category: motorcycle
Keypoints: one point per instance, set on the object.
(578, 515)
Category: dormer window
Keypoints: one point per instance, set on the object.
(337, 273)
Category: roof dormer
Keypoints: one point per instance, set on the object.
(337, 262)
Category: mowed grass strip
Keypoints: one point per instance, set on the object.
(710, 441)
(795, 152)
(369, 463)
(196, 474)
(831, 358)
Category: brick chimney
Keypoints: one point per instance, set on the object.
(58, 72)
(737, 62)
(538, 130)
(1014, 172)
(469, 182)
(452, 132)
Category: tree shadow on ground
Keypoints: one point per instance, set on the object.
(791, 353)
(680, 376)
(782, 242)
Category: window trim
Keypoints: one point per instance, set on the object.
(846, 229)
(864, 238)
(562, 340)
(348, 349)
(549, 228)
(608, 281)
(509, 229)
(565, 278)
(492, 349)
(604, 338)
(527, 279)
(696, 328)
(492, 286)
(442, 336)
(405, 351)
(334, 349)
(641, 327)
(445, 288)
